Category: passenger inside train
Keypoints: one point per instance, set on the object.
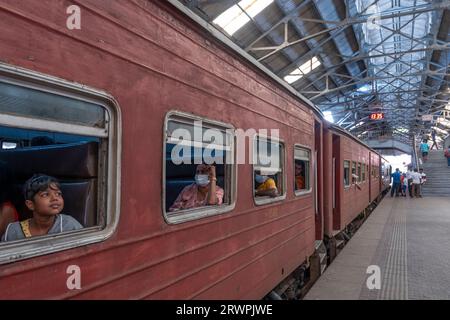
(203, 192)
(302, 159)
(300, 175)
(8, 212)
(43, 197)
(68, 161)
(265, 185)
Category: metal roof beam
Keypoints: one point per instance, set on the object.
(347, 22)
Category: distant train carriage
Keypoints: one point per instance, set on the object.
(118, 125)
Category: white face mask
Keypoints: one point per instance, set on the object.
(202, 180)
(260, 178)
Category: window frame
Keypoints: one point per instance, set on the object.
(347, 186)
(260, 201)
(108, 199)
(303, 192)
(207, 211)
(363, 172)
(359, 172)
(353, 180)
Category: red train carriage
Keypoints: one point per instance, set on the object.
(352, 183)
(155, 72)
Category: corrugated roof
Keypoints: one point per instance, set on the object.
(388, 55)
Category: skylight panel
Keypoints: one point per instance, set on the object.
(292, 78)
(253, 7)
(238, 15)
(302, 70)
(309, 65)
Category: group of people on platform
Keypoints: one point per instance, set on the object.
(410, 180)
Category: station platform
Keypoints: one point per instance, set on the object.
(408, 239)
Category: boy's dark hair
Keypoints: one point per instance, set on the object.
(37, 183)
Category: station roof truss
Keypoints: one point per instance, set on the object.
(350, 57)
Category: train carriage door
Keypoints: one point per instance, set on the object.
(334, 184)
(337, 183)
(318, 179)
(316, 202)
(370, 177)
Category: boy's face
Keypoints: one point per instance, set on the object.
(48, 202)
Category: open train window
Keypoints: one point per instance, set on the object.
(353, 176)
(346, 173)
(359, 172)
(52, 130)
(302, 161)
(199, 171)
(363, 172)
(268, 170)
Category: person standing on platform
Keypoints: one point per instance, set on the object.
(402, 178)
(404, 185)
(416, 184)
(433, 137)
(395, 182)
(409, 179)
(423, 179)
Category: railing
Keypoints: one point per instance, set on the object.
(414, 156)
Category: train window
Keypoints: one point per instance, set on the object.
(346, 173)
(353, 172)
(359, 172)
(302, 160)
(199, 171)
(44, 105)
(59, 141)
(363, 172)
(268, 170)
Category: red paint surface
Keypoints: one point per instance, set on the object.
(152, 59)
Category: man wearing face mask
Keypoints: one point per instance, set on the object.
(265, 186)
(203, 192)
